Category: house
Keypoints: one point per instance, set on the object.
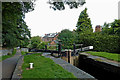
(98, 28)
(51, 37)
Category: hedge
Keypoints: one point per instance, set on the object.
(104, 43)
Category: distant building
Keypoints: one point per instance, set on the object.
(52, 37)
(98, 28)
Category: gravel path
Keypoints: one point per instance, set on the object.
(8, 66)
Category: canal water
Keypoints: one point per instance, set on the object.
(99, 70)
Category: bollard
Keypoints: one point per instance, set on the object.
(31, 65)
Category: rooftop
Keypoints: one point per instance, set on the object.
(50, 35)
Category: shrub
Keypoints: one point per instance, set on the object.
(104, 43)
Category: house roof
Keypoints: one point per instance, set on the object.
(50, 35)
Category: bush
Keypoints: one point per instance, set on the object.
(104, 43)
(23, 53)
(107, 43)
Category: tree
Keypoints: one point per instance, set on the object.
(84, 22)
(107, 29)
(15, 31)
(35, 42)
(116, 27)
(67, 38)
(60, 5)
(112, 28)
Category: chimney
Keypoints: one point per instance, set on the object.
(98, 28)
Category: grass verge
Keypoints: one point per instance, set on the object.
(9, 55)
(111, 56)
(43, 68)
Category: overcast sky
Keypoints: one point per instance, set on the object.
(44, 20)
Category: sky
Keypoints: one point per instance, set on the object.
(44, 20)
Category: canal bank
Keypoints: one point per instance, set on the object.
(100, 68)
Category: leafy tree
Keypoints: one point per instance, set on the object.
(116, 27)
(106, 41)
(35, 41)
(107, 29)
(42, 45)
(60, 5)
(67, 38)
(84, 22)
(15, 31)
(112, 28)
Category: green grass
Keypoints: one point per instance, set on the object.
(8, 56)
(43, 68)
(23, 53)
(111, 56)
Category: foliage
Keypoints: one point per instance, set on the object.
(112, 28)
(15, 31)
(67, 38)
(84, 22)
(108, 40)
(42, 45)
(60, 5)
(43, 68)
(116, 27)
(112, 56)
(23, 53)
(106, 29)
(104, 43)
(52, 47)
(35, 42)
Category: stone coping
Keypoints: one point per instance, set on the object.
(18, 69)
